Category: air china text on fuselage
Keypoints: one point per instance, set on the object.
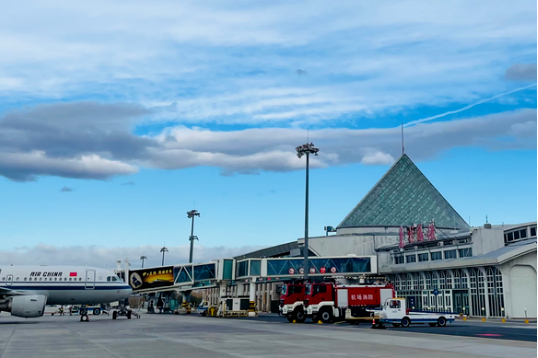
(25, 290)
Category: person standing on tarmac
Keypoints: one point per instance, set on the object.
(61, 310)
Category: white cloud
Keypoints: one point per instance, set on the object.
(200, 59)
(377, 158)
(61, 142)
(27, 166)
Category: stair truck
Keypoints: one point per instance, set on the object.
(291, 302)
(329, 302)
(395, 313)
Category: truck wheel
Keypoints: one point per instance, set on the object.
(441, 321)
(300, 317)
(289, 317)
(406, 322)
(326, 316)
(395, 325)
(96, 311)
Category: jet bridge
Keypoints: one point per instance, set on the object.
(188, 277)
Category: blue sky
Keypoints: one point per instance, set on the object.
(116, 119)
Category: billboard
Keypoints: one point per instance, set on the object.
(151, 278)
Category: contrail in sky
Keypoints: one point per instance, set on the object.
(466, 107)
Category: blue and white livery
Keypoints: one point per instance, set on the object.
(25, 290)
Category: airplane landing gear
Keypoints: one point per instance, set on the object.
(84, 314)
(122, 311)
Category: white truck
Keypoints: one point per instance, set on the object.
(394, 312)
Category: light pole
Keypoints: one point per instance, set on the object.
(306, 149)
(191, 214)
(163, 250)
(143, 258)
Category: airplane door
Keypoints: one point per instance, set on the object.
(90, 279)
(9, 280)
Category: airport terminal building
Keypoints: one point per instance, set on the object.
(423, 246)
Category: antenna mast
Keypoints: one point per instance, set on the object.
(403, 152)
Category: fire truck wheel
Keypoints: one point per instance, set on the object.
(396, 325)
(406, 322)
(300, 317)
(441, 321)
(289, 317)
(326, 316)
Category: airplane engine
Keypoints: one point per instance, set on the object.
(25, 305)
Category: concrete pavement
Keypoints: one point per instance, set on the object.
(193, 336)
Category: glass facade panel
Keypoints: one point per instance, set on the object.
(183, 274)
(340, 265)
(450, 254)
(423, 257)
(468, 252)
(204, 272)
(387, 203)
(242, 269)
(410, 259)
(398, 259)
(255, 268)
(437, 255)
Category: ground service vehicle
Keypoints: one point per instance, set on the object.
(329, 301)
(291, 302)
(394, 312)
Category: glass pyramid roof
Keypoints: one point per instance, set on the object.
(403, 197)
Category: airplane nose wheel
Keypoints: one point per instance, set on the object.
(84, 318)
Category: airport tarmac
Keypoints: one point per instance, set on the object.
(267, 336)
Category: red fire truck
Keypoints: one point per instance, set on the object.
(291, 302)
(329, 301)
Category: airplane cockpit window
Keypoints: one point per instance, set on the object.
(69, 278)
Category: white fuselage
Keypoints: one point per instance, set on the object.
(64, 285)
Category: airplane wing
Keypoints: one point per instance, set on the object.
(8, 292)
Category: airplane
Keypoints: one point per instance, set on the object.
(25, 290)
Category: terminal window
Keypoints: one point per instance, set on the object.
(468, 252)
(422, 257)
(450, 254)
(437, 255)
(398, 260)
(410, 258)
(533, 231)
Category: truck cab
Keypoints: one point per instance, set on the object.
(291, 301)
(317, 296)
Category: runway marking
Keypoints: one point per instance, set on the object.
(489, 335)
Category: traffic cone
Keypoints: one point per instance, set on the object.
(319, 322)
(294, 321)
